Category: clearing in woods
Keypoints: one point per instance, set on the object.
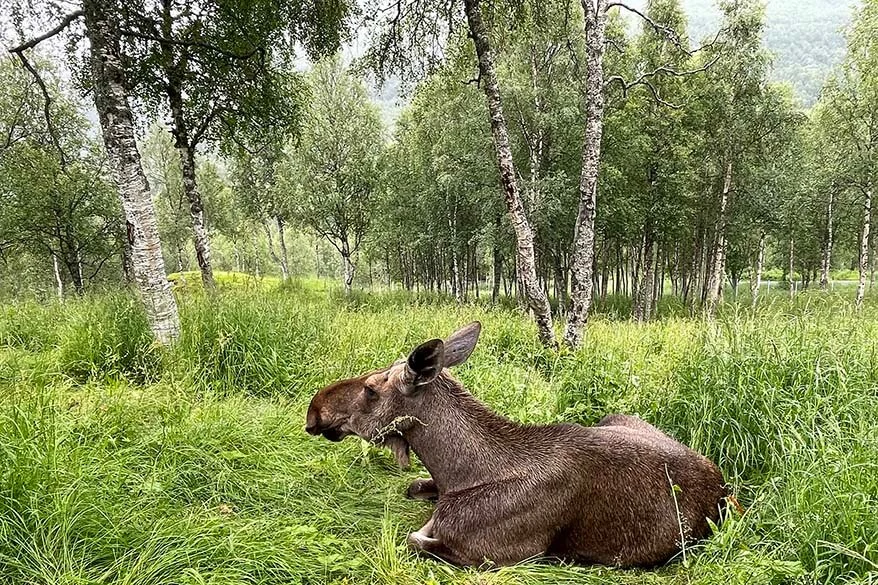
(123, 464)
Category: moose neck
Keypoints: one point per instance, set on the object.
(461, 442)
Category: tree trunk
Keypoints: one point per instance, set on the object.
(498, 273)
(718, 264)
(643, 297)
(792, 267)
(277, 259)
(117, 126)
(74, 268)
(826, 256)
(347, 267)
(582, 253)
(196, 211)
(282, 242)
(756, 280)
(58, 282)
(525, 261)
(127, 269)
(864, 248)
(186, 149)
(560, 281)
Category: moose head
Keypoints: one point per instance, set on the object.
(380, 406)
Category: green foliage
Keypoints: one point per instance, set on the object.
(331, 174)
(56, 204)
(205, 473)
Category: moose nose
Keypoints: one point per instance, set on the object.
(312, 423)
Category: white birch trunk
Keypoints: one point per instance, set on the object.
(864, 247)
(273, 254)
(582, 252)
(536, 299)
(756, 281)
(282, 242)
(826, 255)
(646, 285)
(59, 284)
(117, 126)
(718, 264)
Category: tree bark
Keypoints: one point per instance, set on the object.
(536, 299)
(644, 296)
(756, 281)
(74, 268)
(498, 273)
(277, 259)
(792, 267)
(58, 282)
(826, 255)
(196, 211)
(347, 267)
(117, 126)
(718, 264)
(582, 253)
(282, 243)
(864, 247)
(127, 270)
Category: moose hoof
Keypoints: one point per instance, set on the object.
(422, 489)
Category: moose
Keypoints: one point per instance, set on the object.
(620, 493)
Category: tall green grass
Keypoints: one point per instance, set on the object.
(121, 462)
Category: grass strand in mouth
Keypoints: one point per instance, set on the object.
(122, 463)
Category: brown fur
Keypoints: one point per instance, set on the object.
(507, 492)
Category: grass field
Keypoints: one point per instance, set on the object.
(123, 463)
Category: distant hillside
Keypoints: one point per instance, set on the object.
(806, 37)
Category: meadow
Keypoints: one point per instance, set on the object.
(121, 462)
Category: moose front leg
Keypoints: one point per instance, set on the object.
(423, 489)
(424, 542)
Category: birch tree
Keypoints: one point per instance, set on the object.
(109, 86)
(213, 75)
(332, 173)
(851, 99)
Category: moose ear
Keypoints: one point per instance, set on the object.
(425, 362)
(461, 344)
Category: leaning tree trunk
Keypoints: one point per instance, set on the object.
(756, 281)
(525, 264)
(826, 255)
(864, 248)
(582, 253)
(718, 264)
(117, 126)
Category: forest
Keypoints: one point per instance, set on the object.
(211, 209)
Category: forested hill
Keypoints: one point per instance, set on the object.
(806, 37)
